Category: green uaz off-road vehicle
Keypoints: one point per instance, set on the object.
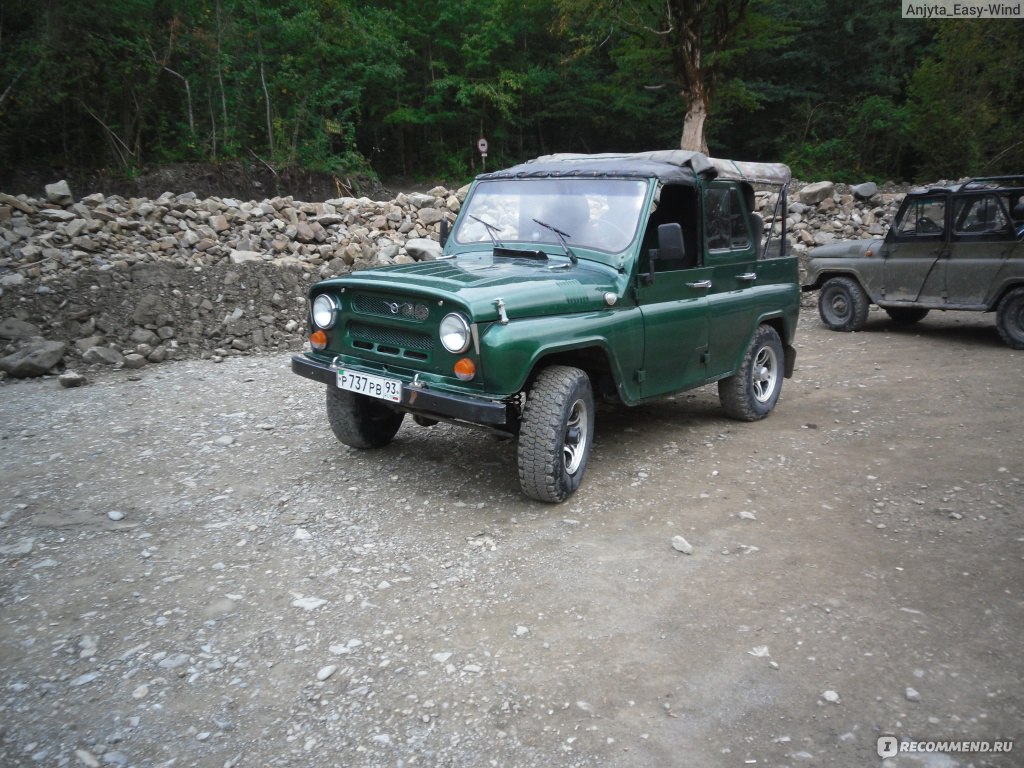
(563, 279)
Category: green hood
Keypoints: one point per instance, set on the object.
(527, 287)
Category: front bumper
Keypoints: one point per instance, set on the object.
(420, 400)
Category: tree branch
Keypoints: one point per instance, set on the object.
(7, 90)
(265, 164)
(188, 98)
(115, 140)
(996, 158)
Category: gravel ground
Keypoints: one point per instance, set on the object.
(195, 573)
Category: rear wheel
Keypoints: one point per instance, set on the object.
(906, 315)
(1010, 318)
(843, 305)
(751, 393)
(360, 421)
(555, 434)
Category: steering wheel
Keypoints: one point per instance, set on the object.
(927, 226)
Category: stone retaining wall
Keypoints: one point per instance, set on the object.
(115, 281)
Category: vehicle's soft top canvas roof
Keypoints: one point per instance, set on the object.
(978, 184)
(670, 166)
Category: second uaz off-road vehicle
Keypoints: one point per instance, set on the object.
(950, 247)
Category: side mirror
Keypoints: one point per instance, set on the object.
(446, 229)
(670, 242)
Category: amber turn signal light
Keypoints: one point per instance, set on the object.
(465, 369)
(318, 340)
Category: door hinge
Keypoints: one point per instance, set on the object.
(639, 375)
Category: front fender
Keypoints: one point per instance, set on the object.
(510, 352)
(849, 257)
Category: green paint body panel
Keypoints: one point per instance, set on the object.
(573, 304)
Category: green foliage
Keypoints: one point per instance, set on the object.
(844, 89)
(829, 158)
(968, 98)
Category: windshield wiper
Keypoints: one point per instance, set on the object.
(492, 229)
(499, 247)
(561, 238)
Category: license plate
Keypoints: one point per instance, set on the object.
(373, 386)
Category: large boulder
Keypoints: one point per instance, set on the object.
(13, 328)
(241, 257)
(59, 193)
(813, 194)
(103, 356)
(865, 191)
(423, 248)
(36, 358)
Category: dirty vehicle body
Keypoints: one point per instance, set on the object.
(564, 280)
(958, 247)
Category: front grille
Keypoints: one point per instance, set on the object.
(391, 341)
(402, 308)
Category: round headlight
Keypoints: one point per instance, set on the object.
(455, 333)
(324, 308)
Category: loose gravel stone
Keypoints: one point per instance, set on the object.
(680, 544)
(308, 603)
(325, 672)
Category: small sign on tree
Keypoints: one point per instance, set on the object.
(481, 145)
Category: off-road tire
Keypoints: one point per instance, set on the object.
(360, 421)
(906, 315)
(843, 305)
(750, 394)
(1010, 318)
(555, 434)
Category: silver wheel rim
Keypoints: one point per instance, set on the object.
(764, 374)
(574, 442)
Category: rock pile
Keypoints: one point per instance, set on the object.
(114, 281)
(822, 212)
(127, 282)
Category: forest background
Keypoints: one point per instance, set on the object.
(841, 89)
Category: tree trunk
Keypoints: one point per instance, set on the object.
(266, 97)
(693, 124)
(220, 80)
(188, 99)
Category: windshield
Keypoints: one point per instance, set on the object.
(601, 214)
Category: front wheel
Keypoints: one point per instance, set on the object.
(843, 305)
(906, 315)
(360, 421)
(1010, 318)
(555, 434)
(751, 393)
